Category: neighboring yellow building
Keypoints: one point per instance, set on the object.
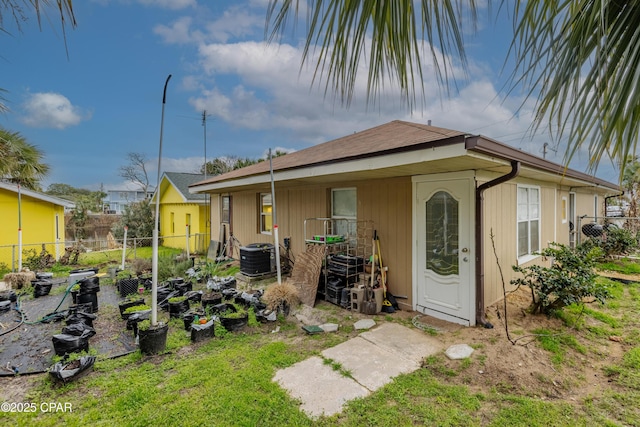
(179, 209)
(42, 220)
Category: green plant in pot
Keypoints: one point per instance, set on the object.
(131, 300)
(234, 318)
(134, 309)
(152, 339)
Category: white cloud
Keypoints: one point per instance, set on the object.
(52, 110)
(170, 4)
(234, 23)
(179, 32)
(185, 165)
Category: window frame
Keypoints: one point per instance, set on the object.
(529, 255)
(351, 219)
(262, 215)
(225, 212)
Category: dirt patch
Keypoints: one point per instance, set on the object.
(519, 365)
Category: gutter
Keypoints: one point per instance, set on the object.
(606, 202)
(480, 312)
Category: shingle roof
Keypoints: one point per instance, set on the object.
(181, 182)
(393, 137)
(389, 137)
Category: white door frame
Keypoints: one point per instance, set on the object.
(469, 175)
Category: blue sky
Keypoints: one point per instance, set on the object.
(87, 110)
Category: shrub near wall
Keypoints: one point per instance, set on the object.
(568, 280)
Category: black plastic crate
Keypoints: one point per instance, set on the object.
(128, 286)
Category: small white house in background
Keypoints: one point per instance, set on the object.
(116, 200)
(435, 197)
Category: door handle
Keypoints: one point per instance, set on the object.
(465, 250)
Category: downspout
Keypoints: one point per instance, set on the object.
(606, 202)
(480, 313)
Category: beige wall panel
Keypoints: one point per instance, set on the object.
(548, 208)
(562, 229)
(388, 204)
(500, 218)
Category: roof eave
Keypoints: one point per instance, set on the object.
(494, 148)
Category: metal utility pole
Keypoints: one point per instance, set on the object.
(154, 260)
(207, 199)
(204, 125)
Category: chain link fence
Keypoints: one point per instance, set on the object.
(598, 227)
(47, 253)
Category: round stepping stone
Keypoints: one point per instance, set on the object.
(459, 351)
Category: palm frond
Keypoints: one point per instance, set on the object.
(581, 59)
(384, 39)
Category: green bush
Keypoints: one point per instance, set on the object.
(568, 280)
(614, 241)
(4, 269)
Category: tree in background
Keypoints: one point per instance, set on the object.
(577, 58)
(226, 164)
(136, 171)
(91, 201)
(139, 218)
(21, 162)
(631, 186)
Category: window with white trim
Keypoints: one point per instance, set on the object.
(266, 213)
(563, 210)
(344, 205)
(528, 220)
(226, 209)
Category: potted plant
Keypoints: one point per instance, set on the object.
(130, 300)
(211, 298)
(234, 317)
(152, 339)
(178, 305)
(202, 330)
(192, 316)
(134, 309)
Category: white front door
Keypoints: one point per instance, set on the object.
(444, 285)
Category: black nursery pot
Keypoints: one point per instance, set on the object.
(183, 288)
(89, 285)
(202, 332)
(211, 298)
(188, 317)
(126, 304)
(154, 339)
(65, 344)
(89, 298)
(177, 308)
(234, 323)
(41, 288)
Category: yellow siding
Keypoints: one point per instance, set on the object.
(174, 234)
(170, 195)
(38, 225)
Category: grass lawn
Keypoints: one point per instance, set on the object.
(227, 381)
